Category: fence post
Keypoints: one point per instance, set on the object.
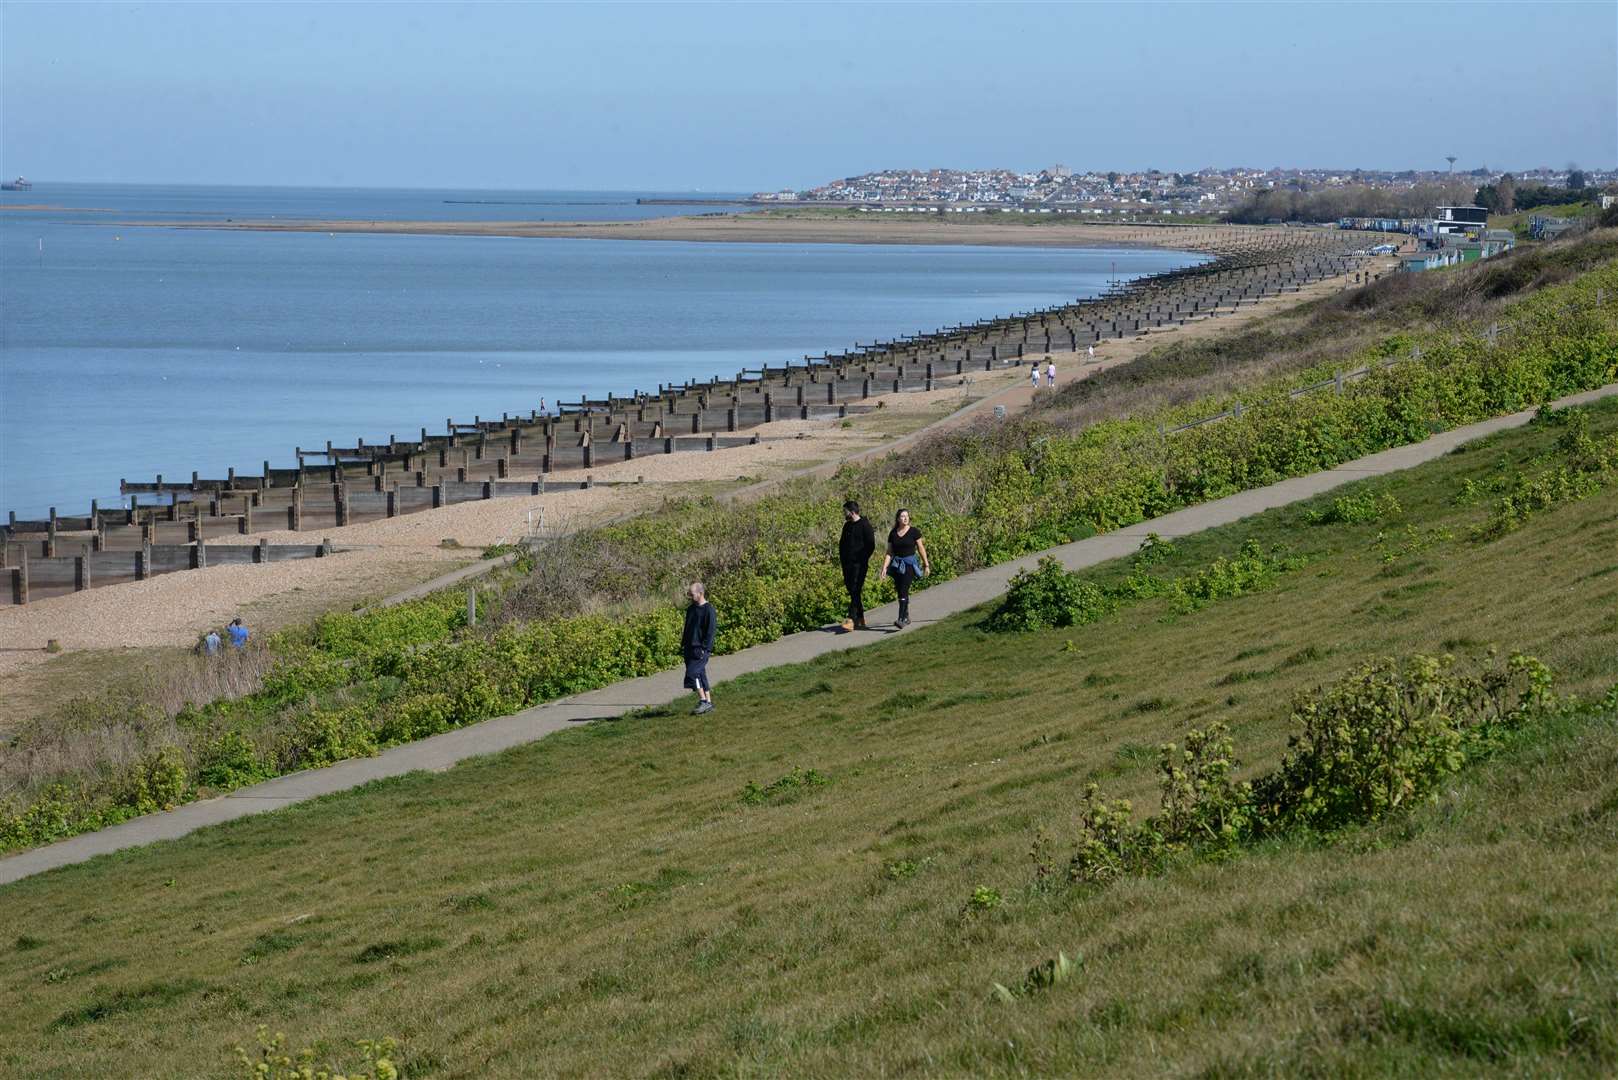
(471, 605)
(19, 581)
(143, 561)
(261, 551)
(1337, 382)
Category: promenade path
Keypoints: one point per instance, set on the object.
(941, 601)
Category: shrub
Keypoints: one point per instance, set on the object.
(1251, 570)
(1370, 745)
(1049, 596)
(271, 1060)
(231, 761)
(1202, 803)
(1357, 509)
(1110, 844)
(1383, 737)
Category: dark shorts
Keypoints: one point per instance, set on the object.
(696, 674)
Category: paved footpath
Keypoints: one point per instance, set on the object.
(941, 601)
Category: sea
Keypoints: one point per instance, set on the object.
(129, 350)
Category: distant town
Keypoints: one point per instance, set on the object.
(1204, 192)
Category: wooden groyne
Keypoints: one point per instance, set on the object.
(165, 524)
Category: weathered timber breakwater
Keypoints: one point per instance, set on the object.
(167, 525)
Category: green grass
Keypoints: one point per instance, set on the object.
(610, 901)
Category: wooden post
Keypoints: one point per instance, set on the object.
(393, 503)
(438, 496)
(143, 562)
(471, 605)
(261, 551)
(19, 581)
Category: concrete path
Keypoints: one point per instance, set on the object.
(941, 601)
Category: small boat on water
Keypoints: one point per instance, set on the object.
(18, 184)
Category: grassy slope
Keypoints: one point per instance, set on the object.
(603, 901)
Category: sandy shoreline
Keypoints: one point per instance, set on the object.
(746, 228)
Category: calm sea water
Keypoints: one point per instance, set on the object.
(126, 352)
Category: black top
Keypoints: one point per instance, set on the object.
(858, 542)
(696, 641)
(901, 546)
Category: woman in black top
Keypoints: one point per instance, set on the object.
(906, 560)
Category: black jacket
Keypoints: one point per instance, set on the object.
(696, 641)
(858, 542)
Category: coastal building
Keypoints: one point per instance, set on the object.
(1460, 219)
(1430, 260)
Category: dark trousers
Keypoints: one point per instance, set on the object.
(901, 581)
(854, 579)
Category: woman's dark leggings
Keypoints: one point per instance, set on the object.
(902, 581)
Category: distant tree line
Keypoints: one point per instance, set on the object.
(1331, 203)
(1504, 196)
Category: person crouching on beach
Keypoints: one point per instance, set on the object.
(854, 551)
(696, 645)
(906, 560)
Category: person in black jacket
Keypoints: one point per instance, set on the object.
(854, 550)
(696, 645)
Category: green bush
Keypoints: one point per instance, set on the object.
(271, 1059)
(1385, 735)
(1251, 570)
(1372, 744)
(230, 761)
(1357, 509)
(1050, 596)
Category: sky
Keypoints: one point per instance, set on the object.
(744, 97)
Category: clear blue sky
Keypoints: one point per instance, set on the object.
(745, 97)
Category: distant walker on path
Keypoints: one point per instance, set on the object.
(854, 551)
(906, 560)
(696, 645)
